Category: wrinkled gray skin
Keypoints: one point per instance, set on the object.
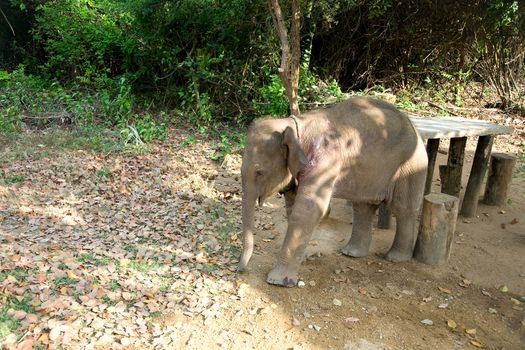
(363, 150)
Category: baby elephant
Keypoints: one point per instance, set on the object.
(363, 150)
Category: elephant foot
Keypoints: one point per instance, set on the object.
(282, 275)
(355, 251)
(395, 255)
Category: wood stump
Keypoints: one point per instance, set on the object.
(384, 218)
(477, 175)
(436, 232)
(500, 176)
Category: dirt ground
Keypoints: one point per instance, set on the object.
(91, 241)
(369, 303)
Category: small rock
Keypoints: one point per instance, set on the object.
(296, 322)
(312, 283)
(427, 299)
(301, 284)
(503, 289)
(317, 328)
(351, 321)
(522, 299)
(427, 322)
(493, 311)
(306, 314)
(337, 302)
(442, 306)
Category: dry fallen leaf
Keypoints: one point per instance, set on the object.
(476, 343)
(445, 290)
(465, 283)
(470, 331)
(72, 275)
(452, 324)
(515, 301)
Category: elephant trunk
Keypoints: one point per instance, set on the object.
(248, 209)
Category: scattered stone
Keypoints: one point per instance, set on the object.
(503, 289)
(493, 311)
(427, 299)
(427, 322)
(301, 284)
(296, 322)
(351, 321)
(337, 302)
(312, 283)
(306, 314)
(442, 306)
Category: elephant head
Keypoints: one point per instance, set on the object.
(272, 160)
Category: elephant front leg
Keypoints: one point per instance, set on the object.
(359, 243)
(304, 217)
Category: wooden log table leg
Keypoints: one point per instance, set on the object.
(477, 174)
(451, 173)
(438, 224)
(500, 175)
(432, 149)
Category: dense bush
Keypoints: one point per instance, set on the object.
(209, 61)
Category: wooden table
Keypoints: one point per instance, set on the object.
(458, 129)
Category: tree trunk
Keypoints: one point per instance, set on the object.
(290, 57)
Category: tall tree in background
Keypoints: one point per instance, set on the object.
(290, 55)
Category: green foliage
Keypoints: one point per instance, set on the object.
(8, 324)
(190, 140)
(65, 281)
(312, 91)
(32, 100)
(85, 40)
(103, 173)
(143, 128)
(273, 98)
(404, 100)
(96, 61)
(230, 142)
(9, 179)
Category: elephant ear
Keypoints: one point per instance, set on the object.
(293, 152)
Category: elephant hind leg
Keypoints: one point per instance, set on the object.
(359, 243)
(406, 204)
